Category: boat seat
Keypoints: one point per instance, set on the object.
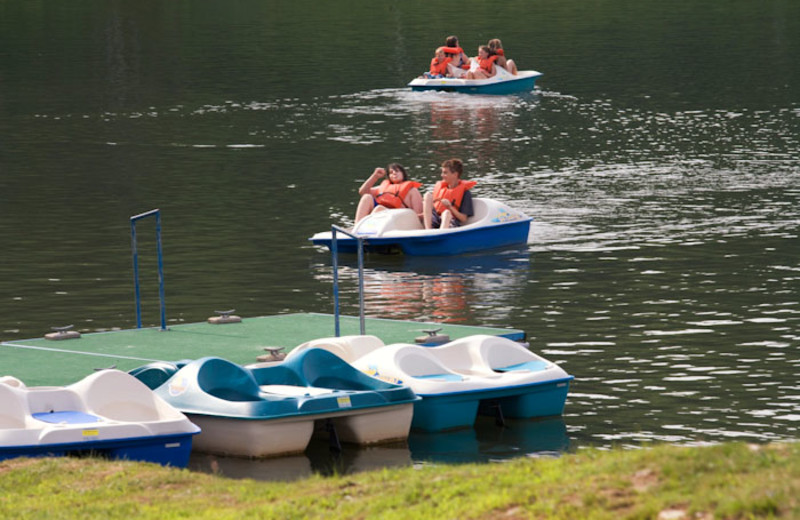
(226, 380)
(12, 409)
(118, 396)
(348, 348)
(481, 211)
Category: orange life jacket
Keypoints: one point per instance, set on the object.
(455, 51)
(500, 52)
(454, 195)
(440, 67)
(486, 64)
(393, 195)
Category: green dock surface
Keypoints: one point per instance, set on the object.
(41, 361)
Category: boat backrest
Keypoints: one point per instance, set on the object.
(418, 362)
(481, 211)
(349, 348)
(43, 399)
(226, 380)
(12, 408)
(118, 396)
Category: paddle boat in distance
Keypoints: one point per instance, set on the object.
(273, 410)
(490, 374)
(493, 225)
(108, 413)
(502, 83)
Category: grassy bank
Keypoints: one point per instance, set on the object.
(727, 481)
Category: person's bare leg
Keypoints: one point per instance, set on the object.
(447, 217)
(365, 206)
(427, 208)
(512, 67)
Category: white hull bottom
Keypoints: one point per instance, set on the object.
(276, 437)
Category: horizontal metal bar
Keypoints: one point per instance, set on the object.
(145, 214)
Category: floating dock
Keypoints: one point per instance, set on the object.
(43, 362)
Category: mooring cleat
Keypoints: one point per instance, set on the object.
(224, 317)
(432, 337)
(63, 333)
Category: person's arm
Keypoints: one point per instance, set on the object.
(366, 188)
(466, 209)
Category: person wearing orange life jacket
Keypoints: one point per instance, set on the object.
(486, 64)
(460, 61)
(396, 191)
(496, 46)
(439, 65)
(450, 202)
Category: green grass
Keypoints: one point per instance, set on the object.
(730, 481)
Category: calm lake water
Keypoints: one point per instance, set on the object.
(659, 157)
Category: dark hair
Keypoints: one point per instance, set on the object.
(495, 44)
(486, 48)
(454, 165)
(451, 41)
(398, 167)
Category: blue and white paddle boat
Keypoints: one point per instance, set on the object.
(503, 83)
(265, 411)
(493, 225)
(455, 380)
(108, 413)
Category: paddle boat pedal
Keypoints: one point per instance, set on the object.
(224, 317)
(62, 333)
(432, 338)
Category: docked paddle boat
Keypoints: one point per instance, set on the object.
(273, 410)
(108, 413)
(502, 83)
(488, 373)
(493, 225)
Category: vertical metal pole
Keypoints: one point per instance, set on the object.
(361, 284)
(335, 254)
(136, 274)
(160, 273)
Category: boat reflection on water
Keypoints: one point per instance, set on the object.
(318, 459)
(447, 290)
(488, 442)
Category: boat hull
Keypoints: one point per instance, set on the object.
(439, 243)
(167, 450)
(525, 81)
(262, 438)
(439, 412)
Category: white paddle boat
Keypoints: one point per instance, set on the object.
(493, 225)
(455, 380)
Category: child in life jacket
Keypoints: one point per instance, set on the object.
(496, 46)
(439, 65)
(460, 64)
(450, 203)
(486, 68)
(396, 191)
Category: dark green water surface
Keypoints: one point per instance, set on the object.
(659, 157)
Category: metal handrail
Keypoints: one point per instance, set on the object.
(335, 254)
(134, 219)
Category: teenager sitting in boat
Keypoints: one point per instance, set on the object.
(486, 67)
(496, 47)
(459, 64)
(396, 191)
(439, 65)
(450, 203)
